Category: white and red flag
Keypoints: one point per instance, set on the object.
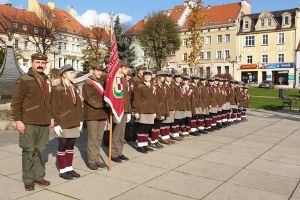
(114, 87)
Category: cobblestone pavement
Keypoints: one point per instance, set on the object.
(254, 160)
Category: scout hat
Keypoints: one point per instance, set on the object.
(99, 66)
(161, 73)
(195, 76)
(176, 74)
(211, 79)
(147, 72)
(141, 67)
(186, 77)
(38, 56)
(66, 68)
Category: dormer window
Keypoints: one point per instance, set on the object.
(15, 25)
(269, 22)
(286, 20)
(262, 22)
(246, 26)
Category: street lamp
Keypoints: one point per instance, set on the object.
(234, 61)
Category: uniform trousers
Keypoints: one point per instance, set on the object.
(165, 131)
(143, 131)
(65, 154)
(155, 131)
(95, 135)
(33, 142)
(118, 137)
(178, 124)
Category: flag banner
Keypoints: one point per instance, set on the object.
(114, 88)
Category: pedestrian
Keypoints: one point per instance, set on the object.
(119, 128)
(144, 111)
(67, 111)
(31, 110)
(95, 113)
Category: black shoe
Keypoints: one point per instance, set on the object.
(176, 138)
(73, 173)
(204, 132)
(215, 127)
(158, 145)
(66, 176)
(122, 157)
(195, 133)
(142, 150)
(93, 166)
(152, 145)
(117, 160)
(210, 130)
(101, 165)
(29, 186)
(148, 148)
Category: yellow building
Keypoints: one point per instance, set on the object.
(266, 44)
(218, 38)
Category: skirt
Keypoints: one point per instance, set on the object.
(170, 118)
(146, 119)
(179, 114)
(70, 133)
(188, 113)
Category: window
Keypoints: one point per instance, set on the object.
(246, 25)
(208, 40)
(201, 71)
(269, 22)
(219, 70)
(281, 58)
(226, 69)
(219, 38)
(202, 40)
(227, 38)
(265, 39)
(264, 59)
(250, 41)
(36, 30)
(15, 25)
(286, 20)
(281, 38)
(77, 64)
(73, 62)
(249, 59)
(24, 27)
(73, 47)
(219, 54)
(226, 54)
(185, 42)
(60, 62)
(262, 22)
(201, 55)
(25, 44)
(65, 61)
(16, 43)
(185, 57)
(208, 55)
(65, 46)
(78, 50)
(207, 72)
(59, 45)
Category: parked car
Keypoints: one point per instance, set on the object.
(266, 84)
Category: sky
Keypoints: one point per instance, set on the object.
(131, 11)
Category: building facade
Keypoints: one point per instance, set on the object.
(267, 42)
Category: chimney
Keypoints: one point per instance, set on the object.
(51, 5)
(72, 11)
(8, 4)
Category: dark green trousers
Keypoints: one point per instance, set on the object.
(33, 142)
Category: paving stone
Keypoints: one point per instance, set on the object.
(5, 154)
(265, 181)
(145, 193)
(262, 138)
(217, 138)
(237, 149)
(183, 184)
(12, 148)
(277, 168)
(134, 172)
(227, 159)
(238, 192)
(13, 189)
(46, 195)
(209, 170)
(282, 155)
(184, 151)
(297, 192)
(10, 165)
(161, 160)
(253, 144)
(199, 144)
(94, 186)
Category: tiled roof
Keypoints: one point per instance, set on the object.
(10, 15)
(173, 14)
(219, 14)
(65, 20)
(98, 33)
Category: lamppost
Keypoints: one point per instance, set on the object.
(233, 62)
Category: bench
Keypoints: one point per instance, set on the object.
(287, 102)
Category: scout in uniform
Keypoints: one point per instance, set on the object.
(170, 99)
(220, 102)
(162, 109)
(119, 129)
(213, 110)
(31, 110)
(139, 76)
(227, 102)
(205, 105)
(233, 103)
(195, 105)
(67, 110)
(144, 111)
(129, 133)
(179, 117)
(239, 99)
(245, 101)
(187, 101)
(95, 113)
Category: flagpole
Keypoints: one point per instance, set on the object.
(111, 14)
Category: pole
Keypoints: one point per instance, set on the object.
(110, 115)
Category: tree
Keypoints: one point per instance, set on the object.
(93, 44)
(159, 38)
(124, 42)
(195, 21)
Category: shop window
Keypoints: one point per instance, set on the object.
(280, 77)
(250, 77)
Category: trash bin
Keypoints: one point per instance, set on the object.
(281, 93)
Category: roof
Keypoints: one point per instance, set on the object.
(10, 15)
(65, 20)
(97, 33)
(219, 14)
(277, 16)
(174, 14)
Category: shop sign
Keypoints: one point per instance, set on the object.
(279, 65)
(249, 66)
(291, 77)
